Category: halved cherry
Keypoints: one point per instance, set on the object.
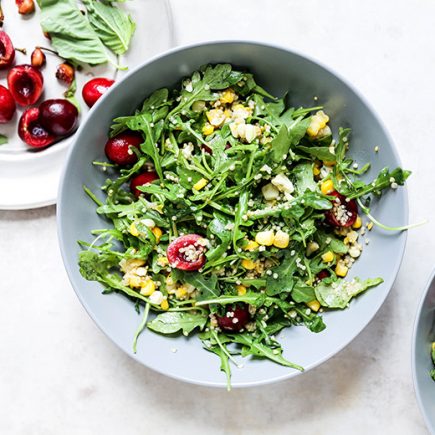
(95, 88)
(7, 105)
(343, 212)
(187, 252)
(32, 132)
(141, 180)
(7, 51)
(118, 148)
(25, 83)
(235, 318)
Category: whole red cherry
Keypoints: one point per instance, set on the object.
(7, 105)
(141, 180)
(118, 148)
(58, 116)
(95, 88)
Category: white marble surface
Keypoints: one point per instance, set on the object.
(60, 374)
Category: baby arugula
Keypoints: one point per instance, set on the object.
(280, 286)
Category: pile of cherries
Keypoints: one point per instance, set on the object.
(53, 119)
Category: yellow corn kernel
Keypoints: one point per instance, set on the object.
(134, 281)
(133, 230)
(265, 238)
(358, 223)
(327, 187)
(370, 226)
(148, 287)
(162, 261)
(248, 264)
(200, 184)
(164, 305)
(328, 256)
(312, 247)
(157, 233)
(181, 292)
(316, 170)
(281, 239)
(317, 123)
(241, 290)
(314, 305)
(251, 246)
(207, 130)
(227, 96)
(341, 269)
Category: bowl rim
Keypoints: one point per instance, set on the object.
(417, 318)
(249, 42)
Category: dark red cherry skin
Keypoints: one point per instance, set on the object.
(32, 132)
(95, 88)
(323, 274)
(7, 105)
(228, 323)
(208, 150)
(179, 260)
(26, 84)
(351, 208)
(59, 117)
(118, 150)
(141, 180)
(7, 51)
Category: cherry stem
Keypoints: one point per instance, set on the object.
(50, 50)
(21, 50)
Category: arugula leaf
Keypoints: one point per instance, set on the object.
(225, 362)
(303, 293)
(285, 271)
(113, 26)
(253, 347)
(383, 181)
(71, 34)
(3, 139)
(321, 153)
(207, 287)
(174, 321)
(339, 293)
(304, 178)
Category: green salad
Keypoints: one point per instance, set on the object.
(231, 215)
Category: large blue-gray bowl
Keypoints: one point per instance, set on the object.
(279, 71)
(424, 335)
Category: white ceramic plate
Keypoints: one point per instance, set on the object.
(28, 178)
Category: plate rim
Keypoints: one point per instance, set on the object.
(421, 405)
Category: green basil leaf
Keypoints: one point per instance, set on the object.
(113, 26)
(71, 34)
